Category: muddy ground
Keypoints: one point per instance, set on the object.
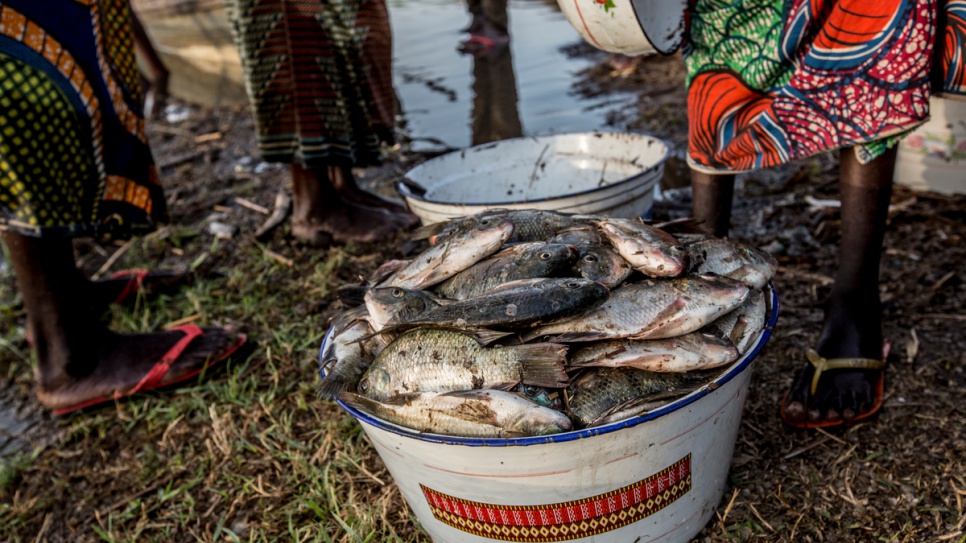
(119, 474)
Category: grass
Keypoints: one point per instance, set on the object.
(249, 453)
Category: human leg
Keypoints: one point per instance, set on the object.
(322, 216)
(712, 197)
(853, 315)
(78, 358)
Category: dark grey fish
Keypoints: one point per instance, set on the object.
(517, 304)
(345, 361)
(528, 224)
(604, 395)
(393, 305)
(524, 261)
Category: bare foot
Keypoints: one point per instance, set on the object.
(123, 361)
(351, 222)
(850, 330)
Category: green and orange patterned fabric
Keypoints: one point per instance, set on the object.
(74, 158)
(776, 80)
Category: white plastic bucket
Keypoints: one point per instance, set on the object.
(653, 478)
(600, 173)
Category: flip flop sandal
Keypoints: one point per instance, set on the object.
(821, 364)
(154, 378)
(135, 283)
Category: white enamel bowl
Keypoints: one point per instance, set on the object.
(628, 27)
(655, 478)
(601, 173)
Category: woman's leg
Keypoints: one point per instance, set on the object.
(78, 358)
(853, 317)
(322, 216)
(711, 201)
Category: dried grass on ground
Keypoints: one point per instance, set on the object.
(251, 455)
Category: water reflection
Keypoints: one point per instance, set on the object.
(530, 86)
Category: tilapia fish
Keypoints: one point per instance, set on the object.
(517, 304)
(346, 361)
(596, 260)
(528, 224)
(651, 309)
(649, 250)
(738, 261)
(465, 247)
(469, 413)
(605, 395)
(694, 351)
(742, 325)
(437, 360)
(523, 261)
(393, 305)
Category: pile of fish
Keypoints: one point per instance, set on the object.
(526, 322)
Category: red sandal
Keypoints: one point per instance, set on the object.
(154, 378)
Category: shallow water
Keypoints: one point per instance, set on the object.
(524, 90)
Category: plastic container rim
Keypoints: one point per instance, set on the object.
(732, 372)
(406, 192)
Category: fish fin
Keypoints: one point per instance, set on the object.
(429, 230)
(486, 336)
(360, 402)
(331, 387)
(577, 337)
(639, 406)
(542, 364)
(387, 270)
(352, 294)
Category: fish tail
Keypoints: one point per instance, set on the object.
(542, 364)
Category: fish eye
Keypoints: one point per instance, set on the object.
(545, 256)
(531, 390)
(573, 284)
(364, 385)
(397, 292)
(590, 258)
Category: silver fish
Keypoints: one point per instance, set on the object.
(604, 395)
(738, 261)
(651, 309)
(470, 413)
(346, 361)
(439, 360)
(465, 247)
(393, 305)
(742, 325)
(523, 261)
(517, 304)
(649, 250)
(694, 351)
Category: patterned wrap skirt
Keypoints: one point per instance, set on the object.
(319, 77)
(74, 158)
(770, 81)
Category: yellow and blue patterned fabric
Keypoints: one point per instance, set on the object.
(74, 158)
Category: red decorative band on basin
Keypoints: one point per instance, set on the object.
(567, 520)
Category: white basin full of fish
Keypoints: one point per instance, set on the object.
(509, 299)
